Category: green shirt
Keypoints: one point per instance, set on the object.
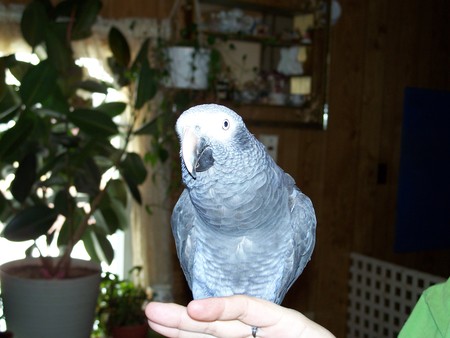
(430, 317)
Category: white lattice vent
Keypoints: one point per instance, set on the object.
(381, 296)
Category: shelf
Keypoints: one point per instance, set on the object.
(255, 114)
(272, 29)
(261, 7)
(268, 40)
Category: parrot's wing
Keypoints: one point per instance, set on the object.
(301, 246)
(183, 217)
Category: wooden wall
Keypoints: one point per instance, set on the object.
(378, 48)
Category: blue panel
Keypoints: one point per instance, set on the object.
(423, 206)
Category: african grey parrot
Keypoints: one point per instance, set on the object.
(241, 226)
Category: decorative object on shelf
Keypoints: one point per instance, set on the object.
(336, 11)
(304, 24)
(192, 61)
(188, 67)
(278, 84)
(289, 63)
(296, 100)
(231, 21)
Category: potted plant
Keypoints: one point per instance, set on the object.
(55, 155)
(120, 307)
(188, 61)
(191, 59)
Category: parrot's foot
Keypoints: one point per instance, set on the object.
(254, 330)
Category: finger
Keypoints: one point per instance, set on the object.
(167, 314)
(249, 310)
(172, 332)
(172, 320)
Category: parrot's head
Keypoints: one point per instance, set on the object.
(205, 131)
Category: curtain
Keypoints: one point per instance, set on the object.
(151, 241)
(11, 40)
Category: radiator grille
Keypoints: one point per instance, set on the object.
(381, 296)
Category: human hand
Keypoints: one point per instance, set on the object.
(231, 317)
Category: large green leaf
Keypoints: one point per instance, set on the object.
(119, 47)
(97, 245)
(114, 214)
(88, 176)
(30, 223)
(93, 122)
(147, 85)
(58, 51)
(112, 108)
(121, 73)
(16, 136)
(5, 211)
(134, 173)
(148, 128)
(109, 217)
(33, 23)
(57, 102)
(25, 177)
(134, 190)
(38, 83)
(154, 126)
(101, 224)
(142, 56)
(64, 202)
(9, 105)
(9, 114)
(85, 18)
(69, 227)
(133, 168)
(93, 86)
(19, 69)
(116, 189)
(3, 86)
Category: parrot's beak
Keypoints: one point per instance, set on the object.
(197, 155)
(189, 150)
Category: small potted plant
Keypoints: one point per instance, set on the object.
(120, 307)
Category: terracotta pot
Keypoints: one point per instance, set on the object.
(50, 308)
(134, 331)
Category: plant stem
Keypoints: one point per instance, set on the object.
(65, 259)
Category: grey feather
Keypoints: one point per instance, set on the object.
(241, 226)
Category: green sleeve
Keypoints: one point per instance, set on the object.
(431, 316)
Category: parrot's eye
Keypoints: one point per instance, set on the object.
(226, 124)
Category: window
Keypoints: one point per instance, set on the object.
(11, 250)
